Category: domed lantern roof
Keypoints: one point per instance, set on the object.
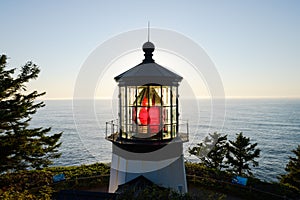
(148, 72)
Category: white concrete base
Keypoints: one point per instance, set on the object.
(169, 173)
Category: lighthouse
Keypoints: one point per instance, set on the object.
(148, 136)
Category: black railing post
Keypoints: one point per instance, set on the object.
(105, 129)
(112, 129)
(187, 129)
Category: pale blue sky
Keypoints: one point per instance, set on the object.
(255, 45)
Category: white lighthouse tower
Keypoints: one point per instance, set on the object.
(147, 138)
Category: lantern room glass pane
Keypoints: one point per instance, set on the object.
(123, 122)
(130, 130)
(174, 115)
(141, 119)
(122, 96)
(155, 95)
(142, 96)
(122, 111)
(174, 95)
(167, 115)
(166, 95)
(167, 131)
(131, 95)
(174, 134)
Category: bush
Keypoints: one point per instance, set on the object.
(38, 184)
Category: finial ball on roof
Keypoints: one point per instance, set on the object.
(148, 46)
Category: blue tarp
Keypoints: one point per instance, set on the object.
(58, 178)
(240, 180)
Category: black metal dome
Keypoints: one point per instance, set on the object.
(148, 72)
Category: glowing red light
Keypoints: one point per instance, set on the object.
(154, 116)
(145, 102)
(149, 116)
(143, 115)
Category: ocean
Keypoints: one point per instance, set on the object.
(272, 123)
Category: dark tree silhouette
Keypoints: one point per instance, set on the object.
(241, 153)
(293, 170)
(211, 151)
(22, 147)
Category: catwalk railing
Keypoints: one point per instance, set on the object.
(112, 132)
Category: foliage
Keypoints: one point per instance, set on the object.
(22, 147)
(19, 185)
(219, 183)
(207, 183)
(211, 151)
(240, 154)
(200, 169)
(292, 177)
(82, 176)
(38, 184)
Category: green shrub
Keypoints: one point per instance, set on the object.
(38, 184)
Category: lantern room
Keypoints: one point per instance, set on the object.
(148, 103)
(148, 112)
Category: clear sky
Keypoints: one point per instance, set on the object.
(255, 45)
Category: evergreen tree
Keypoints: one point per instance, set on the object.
(21, 146)
(211, 151)
(293, 169)
(240, 154)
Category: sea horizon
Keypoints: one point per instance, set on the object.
(198, 98)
